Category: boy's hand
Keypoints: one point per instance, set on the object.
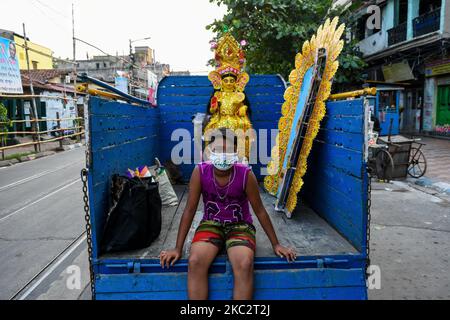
(284, 252)
(168, 258)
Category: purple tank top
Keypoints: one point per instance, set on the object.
(228, 203)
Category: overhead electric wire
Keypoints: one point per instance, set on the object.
(54, 22)
(77, 39)
(51, 8)
(48, 17)
(102, 51)
(110, 55)
(135, 82)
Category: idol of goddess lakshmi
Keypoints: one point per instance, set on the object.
(228, 106)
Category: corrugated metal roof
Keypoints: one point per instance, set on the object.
(41, 79)
(45, 74)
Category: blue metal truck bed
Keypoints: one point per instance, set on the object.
(329, 229)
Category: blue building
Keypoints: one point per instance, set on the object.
(406, 44)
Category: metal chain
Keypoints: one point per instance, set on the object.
(84, 178)
(369, 218)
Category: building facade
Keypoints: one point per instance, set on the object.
(54, 96)
(406, 45)
(105, 68)
(40, 57)
(144, 56)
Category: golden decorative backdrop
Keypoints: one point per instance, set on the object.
(328, 37)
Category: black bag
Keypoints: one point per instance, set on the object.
(134, 220)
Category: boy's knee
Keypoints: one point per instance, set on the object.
(244, 264)
(196, 262)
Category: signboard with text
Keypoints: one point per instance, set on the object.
(121, 83)
(152, 86)
(10, 81)
(437, 68)
(397, 72)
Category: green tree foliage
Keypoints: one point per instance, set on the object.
(276, 29)
(5, 123)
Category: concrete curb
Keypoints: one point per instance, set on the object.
(28, 158)
(439, 186)
(5, 163)
(44, 154)
(70, 147)
(38, 155)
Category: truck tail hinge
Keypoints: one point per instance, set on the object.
(323, 263)
(320, 263)
(134, 267)
(137, 267)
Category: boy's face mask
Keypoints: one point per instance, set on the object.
(223, 161)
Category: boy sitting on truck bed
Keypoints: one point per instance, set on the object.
(227, 188)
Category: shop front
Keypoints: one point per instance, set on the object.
(386, 106)
(436, 117)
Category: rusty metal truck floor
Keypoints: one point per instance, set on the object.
(306, 231)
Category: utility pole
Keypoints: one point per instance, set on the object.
(74, 52)
(131, 68)
(74, 41)
(35, 123)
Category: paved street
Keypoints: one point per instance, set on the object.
(40, 216)
(437, 153)
(410, 234)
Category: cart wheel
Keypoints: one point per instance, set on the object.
(384, 165)
(417, 163)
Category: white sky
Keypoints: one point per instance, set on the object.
(176, 27)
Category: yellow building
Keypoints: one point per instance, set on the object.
(37, 61)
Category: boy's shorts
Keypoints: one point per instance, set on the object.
(232, 234)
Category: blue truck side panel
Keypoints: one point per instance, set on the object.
(313, 277)
(269, 285)
(124, 136)
(336, 181)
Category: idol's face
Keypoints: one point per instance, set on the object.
(229, 84)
